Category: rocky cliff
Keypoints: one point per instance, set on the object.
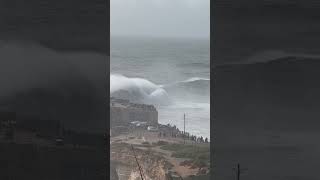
(124, 112)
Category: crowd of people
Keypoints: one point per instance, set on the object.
(174, 132)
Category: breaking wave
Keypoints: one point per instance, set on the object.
(195, 87)
(141, 90)
(137, 90)
(196, 79)
(188, 81)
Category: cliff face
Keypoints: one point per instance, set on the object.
(124, 113)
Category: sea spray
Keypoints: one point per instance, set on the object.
(137, 90)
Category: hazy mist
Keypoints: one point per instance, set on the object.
(160, 18)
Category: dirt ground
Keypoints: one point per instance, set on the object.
(143, 140)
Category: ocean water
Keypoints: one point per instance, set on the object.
(172, 74)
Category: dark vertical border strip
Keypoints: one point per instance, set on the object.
(107, 91)
(212, 45)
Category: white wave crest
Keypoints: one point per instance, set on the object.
(137, 90)
(190, 80)
(196, 79)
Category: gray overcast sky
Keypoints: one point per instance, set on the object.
(160, 18)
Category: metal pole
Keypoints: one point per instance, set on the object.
(184, 128)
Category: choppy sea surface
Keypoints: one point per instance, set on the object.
(172, 74)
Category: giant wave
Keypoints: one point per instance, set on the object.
(141, 90)
(137, 90)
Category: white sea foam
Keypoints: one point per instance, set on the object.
(190, 80)
(141, 90)
(193, 79)
(137, 90)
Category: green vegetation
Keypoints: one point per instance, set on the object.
(199, 155)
